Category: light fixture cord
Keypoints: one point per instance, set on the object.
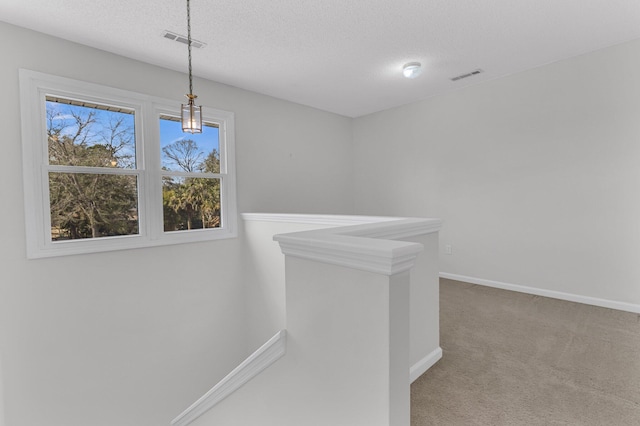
(189, 46)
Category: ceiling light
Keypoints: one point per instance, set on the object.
(191, 116)
(412, 69)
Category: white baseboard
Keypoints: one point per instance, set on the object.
(420, 367)
(604, 303)
(266, 355)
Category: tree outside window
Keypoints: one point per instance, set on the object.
(101, 174)
(85, 202)
(191, 197)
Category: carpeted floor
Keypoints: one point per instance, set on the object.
(518, 359)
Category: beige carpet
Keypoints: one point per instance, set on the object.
(517, 359)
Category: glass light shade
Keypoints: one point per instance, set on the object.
(191, 116)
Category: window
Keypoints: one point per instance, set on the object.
(190, 176)
(91, 158)
(107, 169)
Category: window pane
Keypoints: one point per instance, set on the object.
(87, 205)
(199, 152)
(84, 134)
(190, 203)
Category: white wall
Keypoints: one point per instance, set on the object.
(266, 290)
(134, 337)
(265, 280)
(2, 423)
(536, 175)
(346, 368)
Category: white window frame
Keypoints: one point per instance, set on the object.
(34, 87)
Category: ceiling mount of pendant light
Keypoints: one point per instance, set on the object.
(191, 115)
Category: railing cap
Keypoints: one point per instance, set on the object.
(372, 247)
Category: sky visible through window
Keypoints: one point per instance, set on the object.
(91, 205)
(89, 126)
(171, 134)
(64, 116)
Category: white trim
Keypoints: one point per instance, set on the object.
(359, 242)
(314, 219)
(587, 300)
(433, 225)
(367, 247)
(34, 87)
(373, 257)
(420, 367)
(266, 355)
(396, 230)
(393, 231)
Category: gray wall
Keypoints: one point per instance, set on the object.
(536, 175)
(134, 337)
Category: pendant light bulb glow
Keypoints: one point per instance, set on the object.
(412, 69)
(191, 116)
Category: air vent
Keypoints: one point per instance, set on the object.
(469, 74)
(183, 39)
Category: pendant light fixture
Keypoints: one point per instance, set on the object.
(191, 114)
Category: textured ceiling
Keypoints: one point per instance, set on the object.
(343, 56)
